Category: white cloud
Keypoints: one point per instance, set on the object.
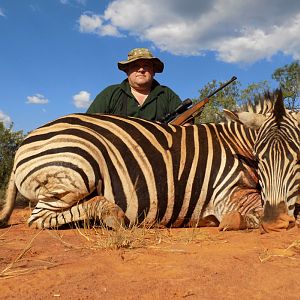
(81, 2)
(37, 99)
(256, 44)
(91, 23)
(2, 12)
(5, 119)
(82, 99)
(237, 31)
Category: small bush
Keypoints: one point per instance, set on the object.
(10, 141)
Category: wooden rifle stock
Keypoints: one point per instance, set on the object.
(196, 109)
(190, 113)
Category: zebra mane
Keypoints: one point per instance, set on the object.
(279, 110)
(266, 104)
(261, 104)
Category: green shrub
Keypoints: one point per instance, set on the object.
(9, 143)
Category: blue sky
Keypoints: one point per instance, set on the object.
(57, 55)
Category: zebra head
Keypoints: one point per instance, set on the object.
(276, 151)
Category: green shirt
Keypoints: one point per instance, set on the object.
(117, 99)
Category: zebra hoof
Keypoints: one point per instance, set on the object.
(114, 219)
(232, 221)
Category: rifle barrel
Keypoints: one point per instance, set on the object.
(194, 110)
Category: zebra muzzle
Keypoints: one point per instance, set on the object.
(282, 222)
(276, 218)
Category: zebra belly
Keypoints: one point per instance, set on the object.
(146, 206)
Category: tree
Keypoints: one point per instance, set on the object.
(253, 91)
(9, 143)
(226, 98)
(289, 81)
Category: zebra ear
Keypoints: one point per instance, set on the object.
(231, 116)
(249, 119)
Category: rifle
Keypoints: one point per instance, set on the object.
(183, 106)
(197, 108)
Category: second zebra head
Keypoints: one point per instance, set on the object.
(276, 154)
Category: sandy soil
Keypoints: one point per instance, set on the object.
(147, 264)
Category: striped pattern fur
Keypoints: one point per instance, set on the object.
(277, 153)
(277, 150)
(82, 167)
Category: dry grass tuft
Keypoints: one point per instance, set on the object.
(290, 252)
(122, 238)
(4, 233)
(17, 266)
(141, 237)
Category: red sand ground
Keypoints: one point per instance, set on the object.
(152, 264)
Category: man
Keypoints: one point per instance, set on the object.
(140, 95)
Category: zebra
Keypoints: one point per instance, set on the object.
(276, 152)
(125, 171)
(131, 171)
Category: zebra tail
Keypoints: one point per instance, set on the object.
(9, 204)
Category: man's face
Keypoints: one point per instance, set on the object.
(140, 73)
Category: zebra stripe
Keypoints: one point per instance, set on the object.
(276, 149)
(86, 166)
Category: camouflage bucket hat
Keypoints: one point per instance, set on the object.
(141, 53)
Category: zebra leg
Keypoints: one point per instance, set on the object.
(98, 208)
(232, 221)
(246, 212)
(236, 221)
